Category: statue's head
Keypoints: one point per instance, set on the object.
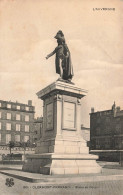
(60, 37)
(59, 34)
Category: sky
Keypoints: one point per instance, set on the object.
(94, 38)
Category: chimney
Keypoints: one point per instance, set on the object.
(113, 106)
(118, 109)
(92, 110)
(29, 102)
(114, 109)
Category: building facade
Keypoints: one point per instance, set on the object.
(16, 122)
(106, 133)
(38, 127)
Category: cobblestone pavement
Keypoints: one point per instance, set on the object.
(88, 188)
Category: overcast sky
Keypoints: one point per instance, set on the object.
(95, 39)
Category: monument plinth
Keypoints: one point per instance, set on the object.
(61, 149)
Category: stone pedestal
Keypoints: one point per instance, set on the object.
(61, 150)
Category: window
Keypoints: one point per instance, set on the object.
(27, 128)
(26, 117)
(8, 105)
(0, 114)
(17, 138)
(118, 143)
(107, 143)
(107, 120)
(17, 127)
(17, 116)
(8, 126)
(98, 120)
(0, 137)
(117, 119)
(0, 125)
(98, 130)
(118, 128)
(26, 138)
(100, 143)
(18, 107)
(8, 138)
(97, 143)
(8, 115)
(107, 129)
(27, 108)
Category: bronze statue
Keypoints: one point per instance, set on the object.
(63, 59)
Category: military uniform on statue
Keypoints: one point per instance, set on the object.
(63, 58)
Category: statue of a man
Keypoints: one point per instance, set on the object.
(63, 58)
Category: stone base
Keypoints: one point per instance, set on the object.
(61, 149)
(56, 164)
(70, 145)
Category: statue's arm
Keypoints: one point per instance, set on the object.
(51, 54)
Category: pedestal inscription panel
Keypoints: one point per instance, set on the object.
(49, 116)
(69, 120)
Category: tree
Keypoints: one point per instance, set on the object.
(11, 145)
(23, 145)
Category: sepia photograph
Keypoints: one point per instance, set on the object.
(61, 97)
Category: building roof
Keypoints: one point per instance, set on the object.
(120, 113)
(16, 103)
(38, 120)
